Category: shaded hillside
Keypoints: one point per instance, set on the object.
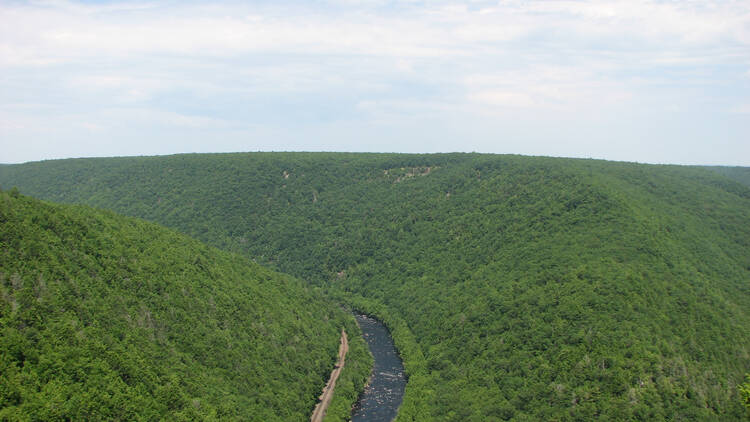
(536, 288)
(739, 174)
(110, 318)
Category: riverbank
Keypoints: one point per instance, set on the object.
(419, 391)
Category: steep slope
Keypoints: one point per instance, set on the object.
(739, 174)
(536, 288)
(110, 318)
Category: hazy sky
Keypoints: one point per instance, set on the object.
(647, 81)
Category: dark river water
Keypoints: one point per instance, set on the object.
(382, 397)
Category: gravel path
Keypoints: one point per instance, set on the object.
(325, 398)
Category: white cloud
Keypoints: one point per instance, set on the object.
(551, 88)
(503, 98)
(62, 31)
(119, 88)
(220, 66)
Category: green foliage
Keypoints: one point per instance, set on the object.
(745, 393)
(416, 398)
(739, 174)
(110, 318)
(353, 377)
(517, 288)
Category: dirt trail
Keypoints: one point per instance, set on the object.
(325, 398)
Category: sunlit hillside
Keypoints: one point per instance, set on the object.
(105, 317)
(535, 288)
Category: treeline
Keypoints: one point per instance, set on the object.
(104, 317)
(532, 288)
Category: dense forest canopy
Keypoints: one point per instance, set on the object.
(534, 288)
(740, 174)
(105, 317)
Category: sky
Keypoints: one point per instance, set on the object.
(634, 80)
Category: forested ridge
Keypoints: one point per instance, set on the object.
(524, 288)
(739, 174)
(105, 317)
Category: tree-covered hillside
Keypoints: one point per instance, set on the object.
(105, 317)
(740, 174)
(535, 288)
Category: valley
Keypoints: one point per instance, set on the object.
(515, 288)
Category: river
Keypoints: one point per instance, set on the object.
(383, 395)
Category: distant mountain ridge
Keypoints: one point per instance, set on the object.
(536, 288)
(739, 174)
